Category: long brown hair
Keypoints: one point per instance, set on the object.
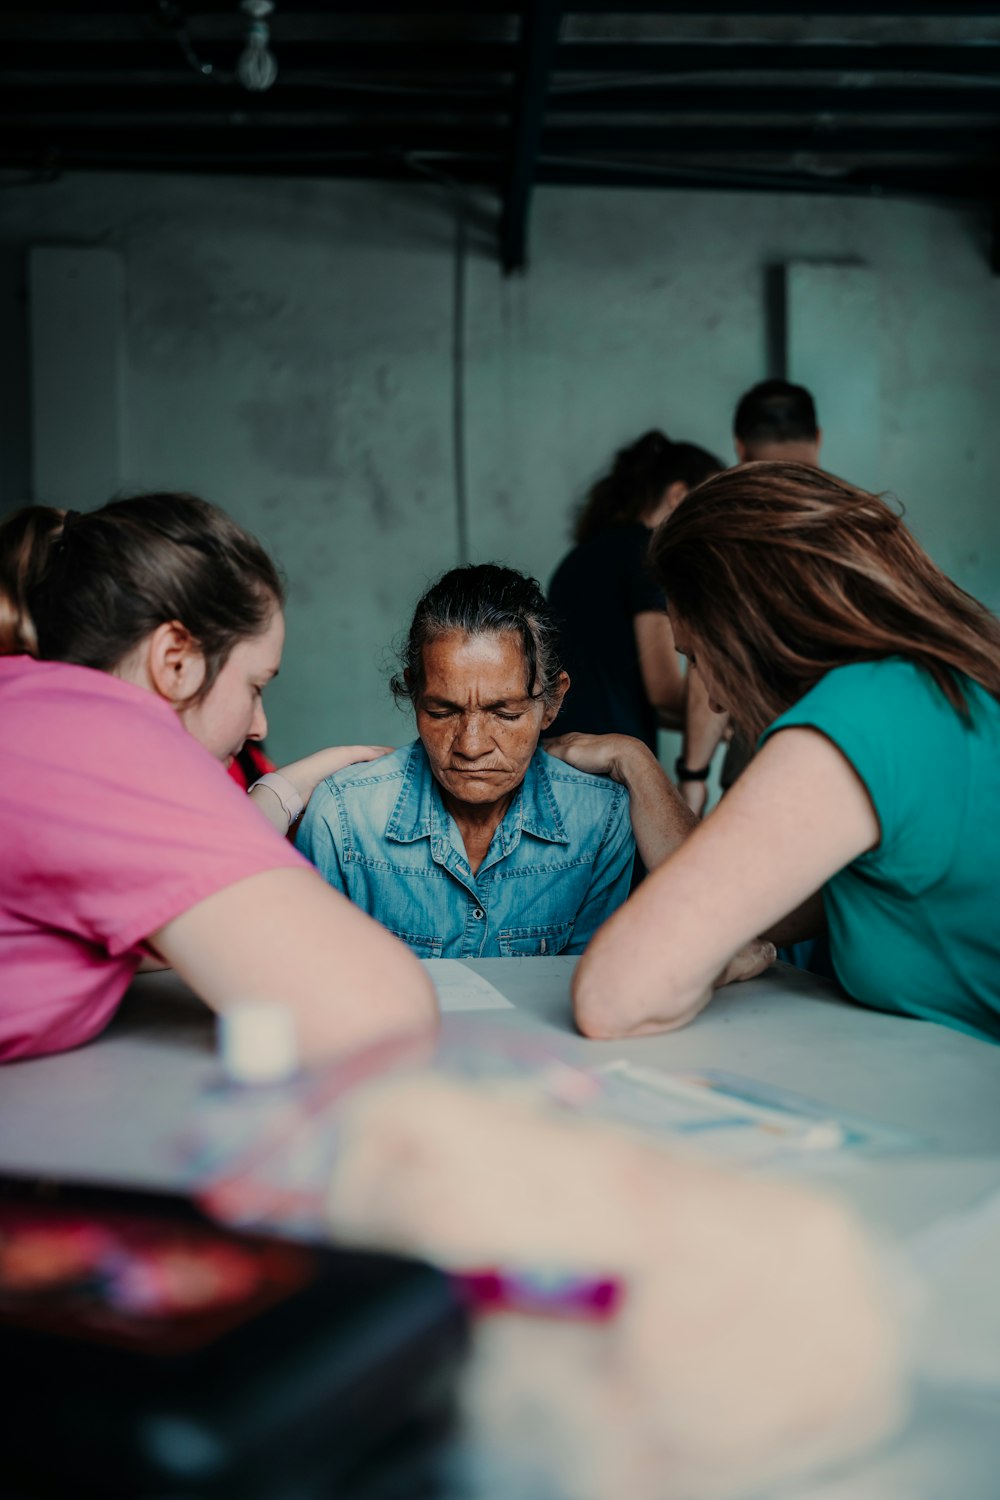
(89, 588)
(635, 483)
(784, 572)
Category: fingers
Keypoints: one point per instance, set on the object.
(564, 745)
(748, 963)
(587, 752)
(342, 756)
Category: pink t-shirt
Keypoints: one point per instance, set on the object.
(113, 821)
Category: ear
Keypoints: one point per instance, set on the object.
(552, 708)
(174, 662)
(675, 493)
(741, 450)
(667, 503)
(819, 443)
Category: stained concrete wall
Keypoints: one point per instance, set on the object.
(290, 352)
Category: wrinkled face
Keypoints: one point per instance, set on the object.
(475, 716)
(232, 711)
(688, 645)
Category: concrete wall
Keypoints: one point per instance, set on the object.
(290, 353)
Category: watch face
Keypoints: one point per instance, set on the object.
(136, 1281)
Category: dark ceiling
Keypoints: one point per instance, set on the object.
(895, 100)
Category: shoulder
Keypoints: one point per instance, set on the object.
(891, 691)
(570, 783)
(371, 775)
(577, 564)
(59, 688)
(367, 792)
(870, 679)
(617, 545)
(95, 722)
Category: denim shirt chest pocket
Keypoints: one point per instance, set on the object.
(534, 942)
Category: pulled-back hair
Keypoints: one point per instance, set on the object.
(89, 588)
(483, 599)
(775, 411)
(784, 572)
(640, 474)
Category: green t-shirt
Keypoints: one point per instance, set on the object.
(915, 923)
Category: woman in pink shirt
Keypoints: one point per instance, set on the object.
(135, 645)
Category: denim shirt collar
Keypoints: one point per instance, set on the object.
(420, 813)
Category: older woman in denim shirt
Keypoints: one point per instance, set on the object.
(472, 842)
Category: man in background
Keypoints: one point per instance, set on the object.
(776, 420)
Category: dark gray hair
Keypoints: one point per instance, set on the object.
(483, 599)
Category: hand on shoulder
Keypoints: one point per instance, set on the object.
(306, 774)
(282, 795)
(614, 755)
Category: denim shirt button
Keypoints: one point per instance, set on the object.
(479, 914)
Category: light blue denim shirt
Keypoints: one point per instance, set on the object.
(558, 865)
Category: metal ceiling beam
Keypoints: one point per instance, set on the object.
(24, 94)
(246, 136)
(55, 15)
(915, 9)
(958, 185)
(710, 139)
(250, 121)
(403, 57)
(738, 61)
(772, 99)
(677, 57)
(539, 34)
(922, 10)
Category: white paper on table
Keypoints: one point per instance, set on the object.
(461, 988)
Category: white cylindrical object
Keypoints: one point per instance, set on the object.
(258, 1042)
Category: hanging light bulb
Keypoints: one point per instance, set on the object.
(257, 68)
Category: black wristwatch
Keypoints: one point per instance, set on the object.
(685, 773)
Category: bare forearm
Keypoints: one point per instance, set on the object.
(661, 820)
(671, 717)
(284, 934)
(703, 728)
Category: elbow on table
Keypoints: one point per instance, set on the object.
(400, 1003)
(596, 1012)
(417, 1009)
(603, 1011)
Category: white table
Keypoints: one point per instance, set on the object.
(113, 1112)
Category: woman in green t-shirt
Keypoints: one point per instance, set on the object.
(872, 683)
